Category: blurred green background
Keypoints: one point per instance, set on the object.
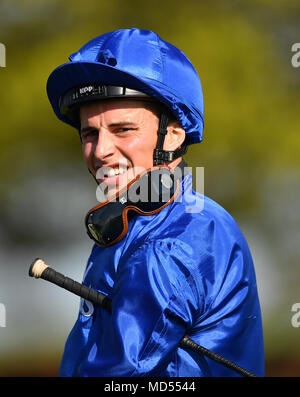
(242, 52)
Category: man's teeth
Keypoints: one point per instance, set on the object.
(108, 172)
(115, 171)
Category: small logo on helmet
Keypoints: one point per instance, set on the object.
(84, 90)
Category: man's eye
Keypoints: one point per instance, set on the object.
(89, 134)
(123, 129)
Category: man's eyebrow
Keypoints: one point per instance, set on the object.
(122, 123)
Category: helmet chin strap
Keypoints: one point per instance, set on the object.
(160, 156)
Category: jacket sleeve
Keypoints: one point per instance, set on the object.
(152, 306)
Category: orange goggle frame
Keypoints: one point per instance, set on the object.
(147, 194)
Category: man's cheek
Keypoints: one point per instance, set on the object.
(87, 152)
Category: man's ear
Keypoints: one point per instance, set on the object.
(175, 136)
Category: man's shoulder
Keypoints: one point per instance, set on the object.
(191, 206)
(190, 231)
(200, 214)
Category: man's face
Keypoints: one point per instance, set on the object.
(118, 139)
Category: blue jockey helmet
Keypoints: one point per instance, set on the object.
(131, 63)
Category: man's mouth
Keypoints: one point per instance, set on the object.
(111, 175)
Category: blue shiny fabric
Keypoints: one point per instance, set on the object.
(141, 60)
(183, 270)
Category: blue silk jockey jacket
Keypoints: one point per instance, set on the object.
(186, 270)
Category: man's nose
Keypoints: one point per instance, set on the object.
(104, 146)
